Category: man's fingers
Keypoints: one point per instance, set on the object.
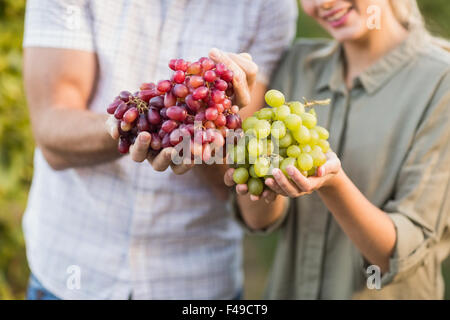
(182, 168)
(250, 68)
(300, 180)
(112, 126)
(228, 178)
(246, 55)
(240, 84)
(163, 160)
(139, 150)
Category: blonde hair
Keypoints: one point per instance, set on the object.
(407, 12)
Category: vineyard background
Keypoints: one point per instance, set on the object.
(16, 154)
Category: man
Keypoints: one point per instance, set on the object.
(101, 226)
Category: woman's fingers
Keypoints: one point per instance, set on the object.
(139, 149)
(112, 126)
(244, 60)
(285, 185)
(273, 185)
(228, 178)
(299, 180)
(332, 166)
(241, 189)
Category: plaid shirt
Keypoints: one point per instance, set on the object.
(122, 228)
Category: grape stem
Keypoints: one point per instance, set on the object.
(309, 104)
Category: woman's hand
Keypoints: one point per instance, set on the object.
(300, 185)
(242, 189)
(244, 71)
(139, 151)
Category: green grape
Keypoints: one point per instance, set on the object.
(323, 133)
(311, 172)
(250, 132)
(293, 122)
(262, 128)
(240, 175)
(286, 141)
(252, 172)
(287, 162)
(324, 145)
(282, 152)
(275, 161)
(278, 130)
(318, 156)
(306, 148)
(255, 186)
(293, 151)
(305, 162)
(268, 147)
(265, 114)
(314, 137)
(249, 123)
(296, 107)
(255, 147)
(313, 112)
(274, 98)
(302, 135)
(261, 166)
(308, 120)
(240, 154)
(282, 112)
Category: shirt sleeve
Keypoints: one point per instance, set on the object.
(236, 212)
(420, 208)
(63, 24)
(276, 29)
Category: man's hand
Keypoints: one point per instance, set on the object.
(244, 70)
(139, 151)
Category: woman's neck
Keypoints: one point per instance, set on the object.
(362, 53)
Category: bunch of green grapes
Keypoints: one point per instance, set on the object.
(278, 136)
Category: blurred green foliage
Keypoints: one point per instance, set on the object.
(16, 149)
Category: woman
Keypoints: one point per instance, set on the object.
(382, 198)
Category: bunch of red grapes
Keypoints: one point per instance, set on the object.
(200, 92)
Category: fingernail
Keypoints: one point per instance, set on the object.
(144, 138)
(276, 172)
(214, 52)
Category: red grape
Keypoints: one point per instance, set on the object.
(211, 114)
(178, 76)
(113, 106)
(169, 125)
(232, 121)
(209, 76)
(194, 68)
(169, 99)
(153, 116)
(217, 96)
(165, 142)
(155, 143)
(176, 113)
(192, 104)
(130, 115)
(181, 65)
(180, 90)
(125, 96)
(221, 85)
(121, 109)
(221, 120)
(172, 64)
(157, 102)
(227, 76)
(196, 81)
(207, 64)
(142, 123)
(124, 145)
(200, 93)
(164, 86)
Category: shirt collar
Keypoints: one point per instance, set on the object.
(376, 75)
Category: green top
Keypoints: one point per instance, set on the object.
(391, 132)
